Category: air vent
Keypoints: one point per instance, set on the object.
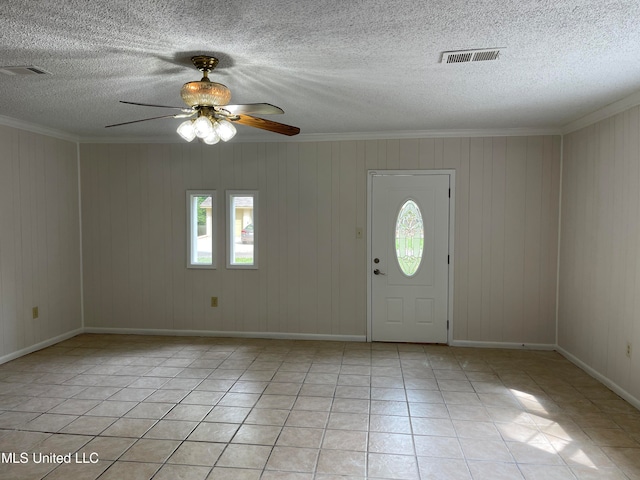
(23, 70)
(464, 56)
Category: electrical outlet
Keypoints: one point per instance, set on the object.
(214, 301)
(629, 349)
(34, 312)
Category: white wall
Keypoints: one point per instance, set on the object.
(312, 275)
(599, 308)
(39, 240)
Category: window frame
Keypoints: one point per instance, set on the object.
(192, 225)
(230, 194)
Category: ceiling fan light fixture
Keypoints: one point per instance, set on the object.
(203, 127)
(205, 93)
(225, 129)
(212, 138)
(187, 131)
(209, 102)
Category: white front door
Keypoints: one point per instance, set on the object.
(409, 285)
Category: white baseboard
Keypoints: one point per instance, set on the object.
(507, 345)
(40, 346)
(598, 376)
(208, 333)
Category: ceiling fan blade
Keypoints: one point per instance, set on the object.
(266, 124)
(151, 118)
(152, 105)
(258, 108)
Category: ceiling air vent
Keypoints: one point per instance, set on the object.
(464, 56)
(23, 70)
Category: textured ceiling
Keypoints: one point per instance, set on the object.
(334, 66)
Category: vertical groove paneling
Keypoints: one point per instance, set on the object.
(476, 189)
(427, 154)
(515, 222)
(312, 268)
(324, 236)
(361, 243)
(599, 305)
(39, 239)
(292, 230)
(115, 205)
(282, 240)
(176, 195)
(260, 246)
(8, 245)
(39, 199)
(142, 184)
(487, 239)
(347, 239)
(270, 241)
(308, 255)
(231, 318)
(409, 154)
(15, 331)
(456, 155)
(195, 290)
(334, 205)
(549, 234)
(250, 280)
(157, 235)
(532, 244)
(499, 186)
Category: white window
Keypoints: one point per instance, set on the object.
(201, 216)
(242, 228)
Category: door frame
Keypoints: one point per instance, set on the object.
(452, 202)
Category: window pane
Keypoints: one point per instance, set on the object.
(409, 238)
(242, 228)
(201, 207)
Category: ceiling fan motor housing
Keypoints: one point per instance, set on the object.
(205, 93)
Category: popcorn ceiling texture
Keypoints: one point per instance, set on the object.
(333, 66)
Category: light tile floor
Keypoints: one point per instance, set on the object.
(214, 408)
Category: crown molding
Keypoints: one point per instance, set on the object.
(138, 140)
(315, 137)
(418, 134)
(34, 128)
(337, 137)
(608, 111)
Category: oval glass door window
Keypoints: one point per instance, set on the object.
(409, 238)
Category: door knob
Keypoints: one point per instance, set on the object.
(378, 272)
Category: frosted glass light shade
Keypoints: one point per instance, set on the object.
(203, 127)
(187, 131)
(225, 129)
(212, 138)
(205, 94)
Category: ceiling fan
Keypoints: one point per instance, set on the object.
(211, 118)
